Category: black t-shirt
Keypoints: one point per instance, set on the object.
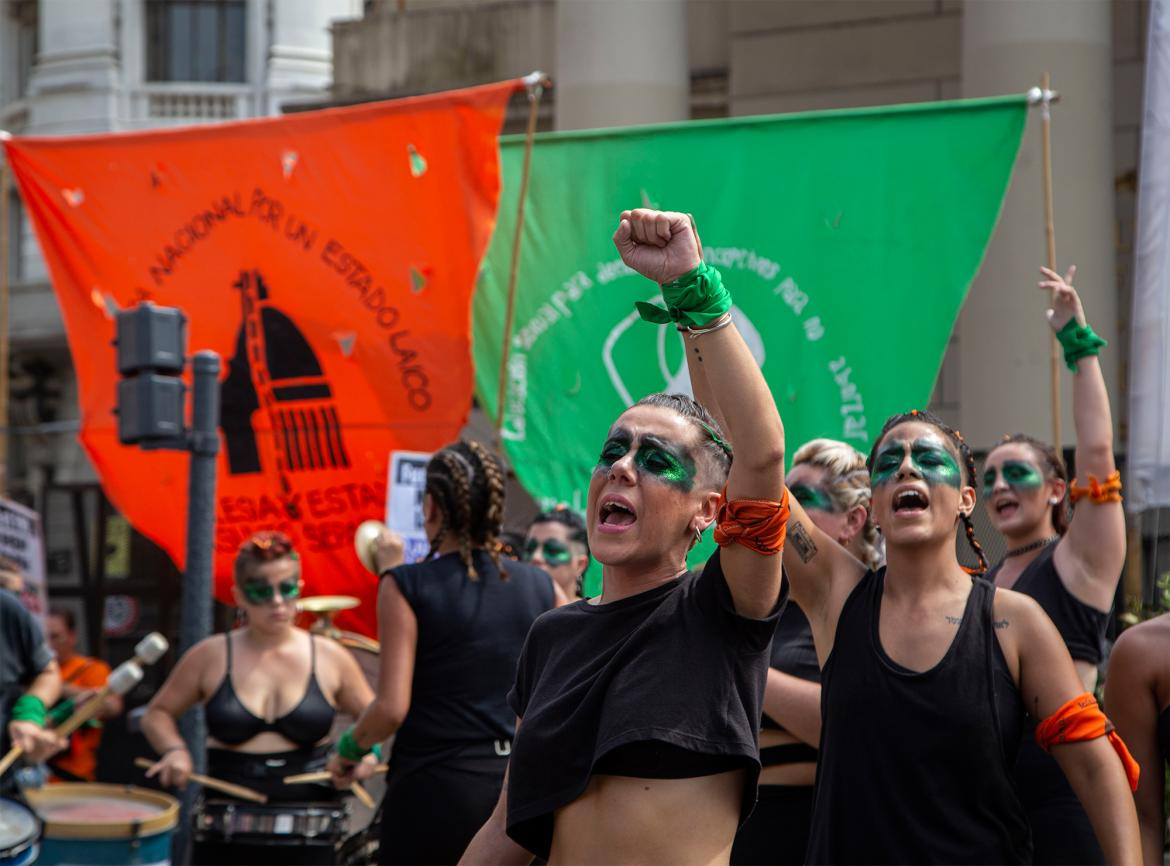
(675, 664)
(23, 655)
(470, 633)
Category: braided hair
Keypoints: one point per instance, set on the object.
(966, 457)
(847, 479)
(1054, 467)
(466, 483)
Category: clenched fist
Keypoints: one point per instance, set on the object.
(659, 245)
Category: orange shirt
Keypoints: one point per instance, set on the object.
(81, 757)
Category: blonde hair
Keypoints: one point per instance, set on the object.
(847, 483)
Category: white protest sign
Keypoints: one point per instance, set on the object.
(405, 486)
(22, 544)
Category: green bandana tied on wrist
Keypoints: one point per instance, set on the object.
(349, 750)
(1078, 341)
(694, 300)
(29, 708)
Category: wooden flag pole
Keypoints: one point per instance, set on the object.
(5, 267)
(536, 82)
(1054, 357)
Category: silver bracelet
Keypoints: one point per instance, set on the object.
(694, 333)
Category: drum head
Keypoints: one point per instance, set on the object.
(19, 828)
(92, 811)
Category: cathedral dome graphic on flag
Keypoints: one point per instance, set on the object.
(274, 370)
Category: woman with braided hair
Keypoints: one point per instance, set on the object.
(451, 628)
(927, 674)
(830, 480)
(1071, 568)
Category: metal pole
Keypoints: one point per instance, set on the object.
(5, 266)
(195, 620)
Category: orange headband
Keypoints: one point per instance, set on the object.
(757, 524)
(1081, 719)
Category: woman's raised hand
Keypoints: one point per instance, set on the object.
(659, 245)
(1066, 304)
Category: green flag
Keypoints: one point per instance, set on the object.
(847, 239)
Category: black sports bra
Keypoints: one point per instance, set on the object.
(306, 724)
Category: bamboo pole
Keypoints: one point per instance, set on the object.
(1054, 357)
(537, 81)
(5, 267)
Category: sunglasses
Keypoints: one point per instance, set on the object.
(257, 592)
(552, 551)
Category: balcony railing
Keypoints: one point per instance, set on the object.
(167, 104)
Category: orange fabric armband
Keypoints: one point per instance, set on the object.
(1098, 493)
(757, 524)
(1081, 719)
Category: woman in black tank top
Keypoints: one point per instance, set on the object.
(1071, 568)
(450, 629)
(830, 480)
(270, 692)
(1137, 695)
(926, 673)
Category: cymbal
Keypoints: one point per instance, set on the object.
(327, 603)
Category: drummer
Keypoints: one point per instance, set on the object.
(270, 690)
(29, 682)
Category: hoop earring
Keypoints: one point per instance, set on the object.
(698, 537)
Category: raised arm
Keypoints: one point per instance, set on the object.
(1091, 556)
(664, 247)
(1132, 702)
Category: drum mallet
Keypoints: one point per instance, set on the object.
(146, 652)
(213, 783)
(123, 678)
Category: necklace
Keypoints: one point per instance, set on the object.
(1043, 542)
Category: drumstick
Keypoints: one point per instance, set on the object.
(322, 776)
(213, 783)
(362, 794)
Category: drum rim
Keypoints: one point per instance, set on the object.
(166, 820)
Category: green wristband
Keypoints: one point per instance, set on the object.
(61, 711)
(694, 300)
(29, 708)
(348, 748)
(1078, 341)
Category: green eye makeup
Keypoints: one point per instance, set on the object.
(553, 551)
(654, 458)
(811, 497)
(259, 592)
(1018, 474)
(934, 463)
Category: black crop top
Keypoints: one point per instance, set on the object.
(306, 724)
(1164, 734)
(669, 682)
(1082, 626)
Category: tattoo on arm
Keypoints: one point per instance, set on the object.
(1000, 623)
(801, 541)
(954, 620)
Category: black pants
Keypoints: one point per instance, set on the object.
(776, 833)
(431, 813)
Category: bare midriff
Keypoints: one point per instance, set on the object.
(804, 773)
(625, 820)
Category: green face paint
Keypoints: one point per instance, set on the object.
(654, 458)
(933, 461)
(261, 592)
(811, 497)
(1017, 474)
(553, 551)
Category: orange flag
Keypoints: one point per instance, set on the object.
(328, 257)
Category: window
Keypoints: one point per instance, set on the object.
(23, 14)
(195, 40)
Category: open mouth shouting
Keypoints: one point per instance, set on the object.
(1005, 506)
(615, 514)
(909, 501)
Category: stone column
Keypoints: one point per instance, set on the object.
(1003, 336)
(74, 84)
(620, 63)
(299, 62)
